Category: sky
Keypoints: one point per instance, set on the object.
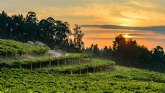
(133, 13)
(117, 12)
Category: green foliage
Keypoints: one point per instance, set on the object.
(78, 55)
(82, 65)
(138, 56)
(78, 36)
(127, 52)
(44, 59)
(123, 80)
(49, 31)
(13, 48)
(94, 51)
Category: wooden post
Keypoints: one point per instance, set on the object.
(31, 66)
(58, 62)
(20, 66)
(40, 64)
(65, 61)
(100, 69)
(79, 60)
(72, 61)
(105, 68)
(49, 60)
(50, 63)
(87, 70)
(94, 69)
(80, 71)
(89, 59)
(71, 72)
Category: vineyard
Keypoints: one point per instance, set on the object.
(44, 61)
(71, 73)
(95, 65)
(11, 48)
(122, 80)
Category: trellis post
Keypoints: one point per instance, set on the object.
(31, 66)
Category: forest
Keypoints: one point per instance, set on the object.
(54, 33)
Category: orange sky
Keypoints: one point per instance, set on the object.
(117, 12)
(100, 12)
(105, 37)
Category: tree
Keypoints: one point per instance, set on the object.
(31, 26)
(106, 52)
(119, 46)
(17, 27)
(130, 52)
(158, 59)
(5, 26)
(96, 51)
(46, 32)
(158, 54)
(78, 35)
(50, 31)
(62, 30)
(31, 17)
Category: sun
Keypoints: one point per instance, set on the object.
(127, 36)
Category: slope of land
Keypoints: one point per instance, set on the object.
(72, 73)
(11, 48)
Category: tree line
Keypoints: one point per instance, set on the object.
(127, 52)
(54, 33)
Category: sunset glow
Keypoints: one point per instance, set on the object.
(129, 13)
(117, 12)
(127, 36)
(88, 46)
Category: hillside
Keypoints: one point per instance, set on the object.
(85, 75)
(11, 48)
(72, 73)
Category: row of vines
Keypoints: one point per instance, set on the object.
(12, 48)
(27, 81)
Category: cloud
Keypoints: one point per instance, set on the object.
(151, 39)
(100, 38)
(105, 31)
(155, 29)
(128, 13)
(119, 12)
